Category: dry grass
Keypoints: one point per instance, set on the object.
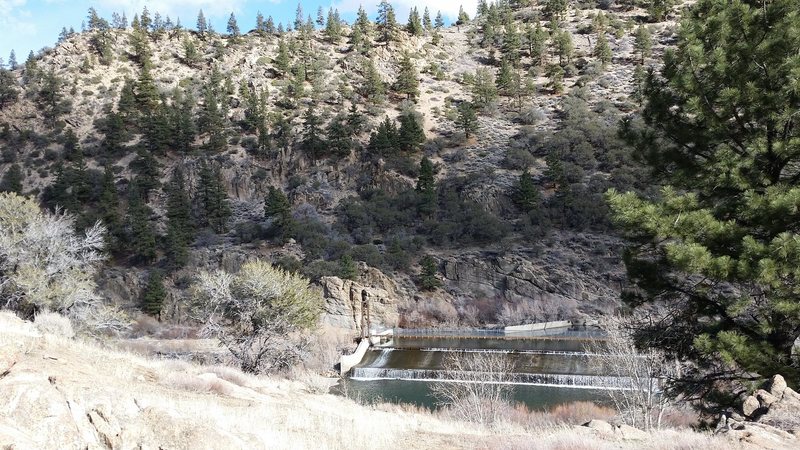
(55, 324)
(179, 405)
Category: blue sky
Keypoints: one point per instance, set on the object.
(32, 24)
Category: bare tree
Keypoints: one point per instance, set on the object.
(475, 387)
(635, 379)
(260, 314)
(46, 266)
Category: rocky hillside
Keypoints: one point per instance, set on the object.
(511, 224)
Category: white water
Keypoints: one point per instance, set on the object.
(494, 350)
(531, 379)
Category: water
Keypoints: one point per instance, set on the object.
(549, 368)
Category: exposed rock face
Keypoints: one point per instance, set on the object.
(344, 299)
(576, 277)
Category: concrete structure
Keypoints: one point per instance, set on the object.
(539, 326)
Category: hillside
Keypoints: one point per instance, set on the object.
(57, 392)
(512, 217)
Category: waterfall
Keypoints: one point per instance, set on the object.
(532, 379)
(383, 358)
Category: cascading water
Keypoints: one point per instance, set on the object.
(547, 369)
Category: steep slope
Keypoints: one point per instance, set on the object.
(555, 261)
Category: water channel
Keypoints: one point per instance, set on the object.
(549, 366)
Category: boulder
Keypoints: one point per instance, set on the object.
(750, 406)
(600, 425)
(344, 299)
(628, 432)
(765, 398)
(777, 385)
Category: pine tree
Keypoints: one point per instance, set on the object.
(142, 238)
(278, 208)
(154, 294)
(467, 119)
(484, 89)
(373, 87)
(144, 20)
(148, 173)
(602, 51)
(9, 91)
(12, 60)
(180, 230)
(12, 180)
(407, 78)
(340, 142)
(426, 187)
(463, 17)
(386, 21)
(211, 120)
(320, 17)
(414, 25)
(563, 46)
(347, 267)
(298, 17)
(108, 206)
(428, 279)
(269, 27)
(426, 20)
(718, 247)
(537, 43)
(213, 198)
(658, 9)
(313, 143)
(333, 26)
(283, 62)
(555, 78)
(383, 141)
(643, 42)
(233, 29)
(505, 79)
(202, 25)
(526, 196)
(512, 44)
(410, 135)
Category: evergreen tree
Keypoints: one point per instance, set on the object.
(233, 29)
(658, 9)
(12, 60)
(144, 20)
(426, 187)
(313, 143)
(643, 42)
(467, 119)
(142, 238)
(386, 21)
(278, 208)
(463, 17)
(339, 137)
(414, 26)
(563, 46)
(439, 24)
(108, 206)
(512, 44)
(298, 17)
(154, 294)
(537, 43)
(484, 90)
(428, 279)
(12, 180)
(373, 87)
(283, 62)
(9, 91)
(602, 51)
(148, 173)
(427, 24)
(348, 270)
(718, 247)
(212, 120)
(526, 195)
(333, 26)
(269, 27)
(556, 9)
(320, 17)
(383, 140)
(555, 78)
(410, 135)
(180, 230)
(202, 25)
(213, 198)
(190, 55)
(505, 79)
(407, 78)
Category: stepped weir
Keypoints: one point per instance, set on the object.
(539, 355)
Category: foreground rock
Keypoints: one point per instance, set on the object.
(771, 417)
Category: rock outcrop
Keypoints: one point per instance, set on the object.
(770, 418)
(345, 299)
